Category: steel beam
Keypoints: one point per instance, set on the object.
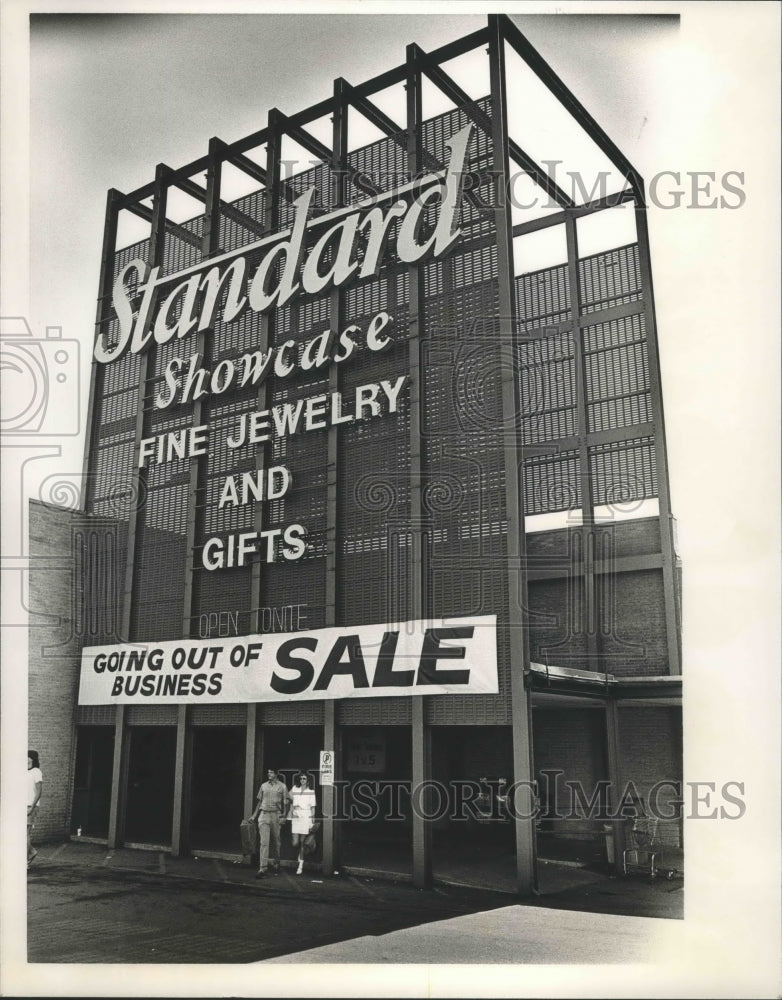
(270, 224)
(462, 99)
(510, 33)
(210, 244)
(251, 725)
(102, 317)
(586, 531)
(323, 153)
(309, 142)
(183, 759)
(372, 112)
(332, 740)
(118, 783)
(380, 120)
(614, 759)
(119, 771)
(195, 190)
(670, 582)
(517, 621)
(337, 158)
(387, 79)
(145, 212)
(154, 258)
(421, 737)
(576, 212)
(250, 167)
(621, 564)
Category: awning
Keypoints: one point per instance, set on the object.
(594, 685)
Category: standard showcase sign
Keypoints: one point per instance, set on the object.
(370, 661)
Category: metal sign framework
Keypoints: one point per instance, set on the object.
(499, 33)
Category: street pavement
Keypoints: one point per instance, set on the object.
(89, 905)
(513, 934)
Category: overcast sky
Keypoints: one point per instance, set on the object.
(111, 96)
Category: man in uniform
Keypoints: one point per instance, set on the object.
(271, 810)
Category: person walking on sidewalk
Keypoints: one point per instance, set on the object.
(302, 814)
(34, 788)
(271, 810)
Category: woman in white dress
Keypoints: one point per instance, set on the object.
(302, 815)
(34, 787)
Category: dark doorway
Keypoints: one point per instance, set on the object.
(217, 787)
(150, 800)
(570, 766)
(290, 750)
(377, 770)
(92, 780)
(473, 835)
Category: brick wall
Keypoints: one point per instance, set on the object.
(636, 643)
(650, 751)
(61, 543)
(53, 661)
(571, 740)
(631, 634)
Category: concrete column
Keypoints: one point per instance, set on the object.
(249, 759)
(422, 772)
(182, 776)
(118, 782)
(614, 759)
(330, 799)
(517, 614)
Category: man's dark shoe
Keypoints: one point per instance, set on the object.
(261, 874)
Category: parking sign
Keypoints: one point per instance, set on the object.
(327, 767)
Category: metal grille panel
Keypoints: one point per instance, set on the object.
(375, 712)
(551, 483)
(95, 715)
(151, 715)
(299, 713)
(609, 279)
(623, 471)
(218, 715)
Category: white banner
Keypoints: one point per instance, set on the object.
(440, 656)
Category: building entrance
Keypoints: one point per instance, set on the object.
(291, 750)
(150, 792)
(216, 787)
(571, 771)
(375, 799)
(92, 780)
(473, 835)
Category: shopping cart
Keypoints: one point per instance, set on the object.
(642, 845)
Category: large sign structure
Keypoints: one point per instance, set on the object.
(354, 242)
(344, 394)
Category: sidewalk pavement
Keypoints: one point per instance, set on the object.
(561, 885)
(89, 904)
(581, 915)
(515, 934)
